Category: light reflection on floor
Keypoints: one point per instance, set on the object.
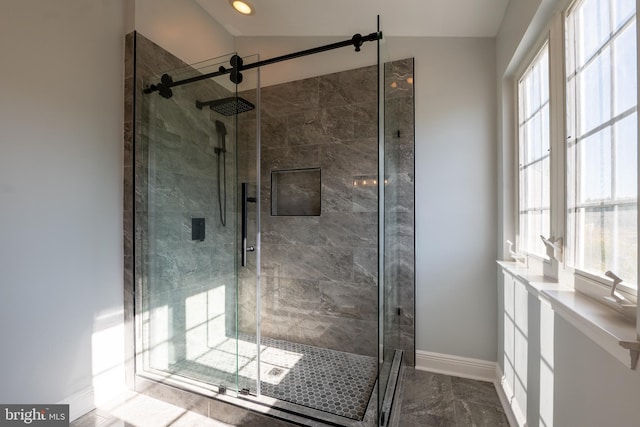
(331, 381)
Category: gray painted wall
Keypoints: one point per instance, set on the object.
(456, 227)
(61, 200)
(183, 28)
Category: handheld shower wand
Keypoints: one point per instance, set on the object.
(221, 151)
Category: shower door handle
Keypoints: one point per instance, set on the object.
(245, 200)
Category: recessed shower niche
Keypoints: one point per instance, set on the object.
(296, 192)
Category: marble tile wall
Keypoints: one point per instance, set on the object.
(319, 273)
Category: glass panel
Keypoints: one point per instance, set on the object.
(250, 365)
(595, 239)
(186, 223)
(546, 183)
(626, 158)
(397, 214)
(593, 28)
(594, 156)
(385, 352)
(626, 245)
(535, 89)
(622, 11)
(533, 146)
(318, 274)
(595, 93)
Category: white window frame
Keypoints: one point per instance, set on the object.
(586, 282)
(558, 268)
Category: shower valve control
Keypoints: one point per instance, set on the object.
(197, 229)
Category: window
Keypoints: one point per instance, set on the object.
(533, 155)
(601, 146)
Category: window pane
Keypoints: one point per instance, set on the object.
(535, 143)
(594, 156)
(530, 180)
(622, 10)
(534, 155)
(544, 78)
(627, 245)
(601, 96)
(624, 48)
(537, 184)
(523, 138)
(535, 89)
(626, 158)
(528, 98)
(536, 230)
(544, 131)
(592, 28)
(546, 182)
(595, 93)
(608, 241)
(595, 240)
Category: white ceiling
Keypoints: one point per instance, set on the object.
(416, 18)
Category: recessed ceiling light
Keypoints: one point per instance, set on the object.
(242, 6)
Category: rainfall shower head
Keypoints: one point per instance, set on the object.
(227, 106)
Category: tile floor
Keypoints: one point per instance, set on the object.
(426, 399)
(435, 400)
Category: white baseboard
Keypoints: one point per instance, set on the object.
(80, 403)
(457, 366)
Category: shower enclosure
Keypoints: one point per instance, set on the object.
(273, 230)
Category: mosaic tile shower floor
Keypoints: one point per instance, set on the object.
(327, 380)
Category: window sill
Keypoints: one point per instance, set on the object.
(603, 325)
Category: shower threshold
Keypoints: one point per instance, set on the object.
(297, 380)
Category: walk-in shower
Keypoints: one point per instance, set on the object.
(272, 244)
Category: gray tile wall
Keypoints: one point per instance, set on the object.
(319, 273)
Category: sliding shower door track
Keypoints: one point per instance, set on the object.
(189, 393)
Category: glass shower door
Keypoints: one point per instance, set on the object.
(189, 167)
